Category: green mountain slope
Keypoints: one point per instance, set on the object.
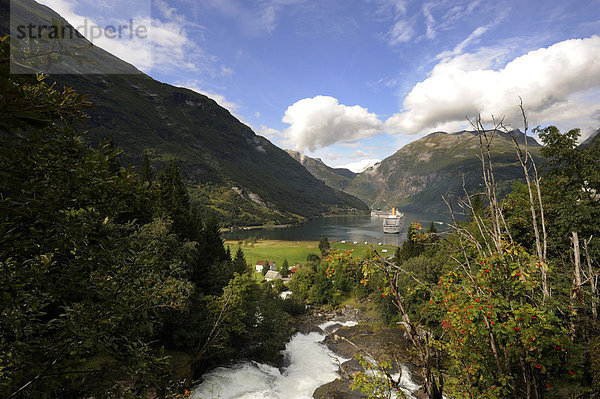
(417, 175)
(338, 178)
(595, 137)
(242, 176)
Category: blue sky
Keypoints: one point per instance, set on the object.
(353, 81)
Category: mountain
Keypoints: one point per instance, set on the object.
(242, 176)
(78, 55)
(595, 137)
(338, 178)
(417, 175)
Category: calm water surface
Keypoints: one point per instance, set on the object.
(339, 228)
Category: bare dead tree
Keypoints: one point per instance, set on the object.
(593, 278)
(577, 282)
(420, 338)
(527, 162)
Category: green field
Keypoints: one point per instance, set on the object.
(296, 251)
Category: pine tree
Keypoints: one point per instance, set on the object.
(173, 200)
(285, 271)
(240, 265)
(146, 172)
(211, 267)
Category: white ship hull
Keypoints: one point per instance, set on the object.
(391, 224)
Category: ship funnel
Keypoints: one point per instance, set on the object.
(393, 211)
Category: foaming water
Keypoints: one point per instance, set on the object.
(311, 364)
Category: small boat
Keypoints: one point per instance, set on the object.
(391, 224)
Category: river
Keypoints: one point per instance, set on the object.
(310, 365)
(340, 228)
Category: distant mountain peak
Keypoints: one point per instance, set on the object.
(591, 139)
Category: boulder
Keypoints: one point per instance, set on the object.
(338, 389)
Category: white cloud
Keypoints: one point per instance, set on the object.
(429, 21)
(548, 79)
(333, 156)
(360, 166)
(401, 32)
(255, 18)
(219, 98)
(269, 132)
(322, 121)
(459, 48)
(403, 27)
(166, 45)
(360, 154)
(445, 15)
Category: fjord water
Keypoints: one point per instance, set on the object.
(339, 228)
(310, 365)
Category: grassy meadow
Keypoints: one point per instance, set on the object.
(296, 251)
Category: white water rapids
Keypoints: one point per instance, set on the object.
(311, 364)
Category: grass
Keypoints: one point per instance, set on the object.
(297, 251)
(277, 250)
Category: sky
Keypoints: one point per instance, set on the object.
(351, 82)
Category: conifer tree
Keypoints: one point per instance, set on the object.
(240, 265)
(146, 172)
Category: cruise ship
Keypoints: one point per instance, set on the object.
(391, 224)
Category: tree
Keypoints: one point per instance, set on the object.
(240, 265)
(79, 277)
(284, 270)
(174, 202)
(324, 246)
(146, 173)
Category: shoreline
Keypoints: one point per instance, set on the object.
(274, 226)
(282, 226)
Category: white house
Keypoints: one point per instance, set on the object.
(261, 264)
(273, 275)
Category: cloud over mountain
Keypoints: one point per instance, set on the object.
(546, 79)
(322, 121)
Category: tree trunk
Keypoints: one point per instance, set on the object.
(576, 284)
(593, 286)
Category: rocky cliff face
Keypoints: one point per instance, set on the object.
(595, 137)
(417, 176)
(338, 178)
(420, 173)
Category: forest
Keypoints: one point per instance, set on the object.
(505, 303)
(113, 283)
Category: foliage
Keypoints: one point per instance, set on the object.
(484, 320)
(324, 246)
(79, 279)
(498, 328)
(32, 102)
(374, 381)
(100, 268)
(285, 268)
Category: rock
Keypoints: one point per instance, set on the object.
(307, 327)
(333, 328)
(338, 389)
(350, 367)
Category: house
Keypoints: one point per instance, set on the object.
(273, 275)
(261, 264)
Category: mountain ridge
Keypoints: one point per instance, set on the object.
(417, 175)
(334, 177)
(230, 170)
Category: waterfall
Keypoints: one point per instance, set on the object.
(310, 365)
